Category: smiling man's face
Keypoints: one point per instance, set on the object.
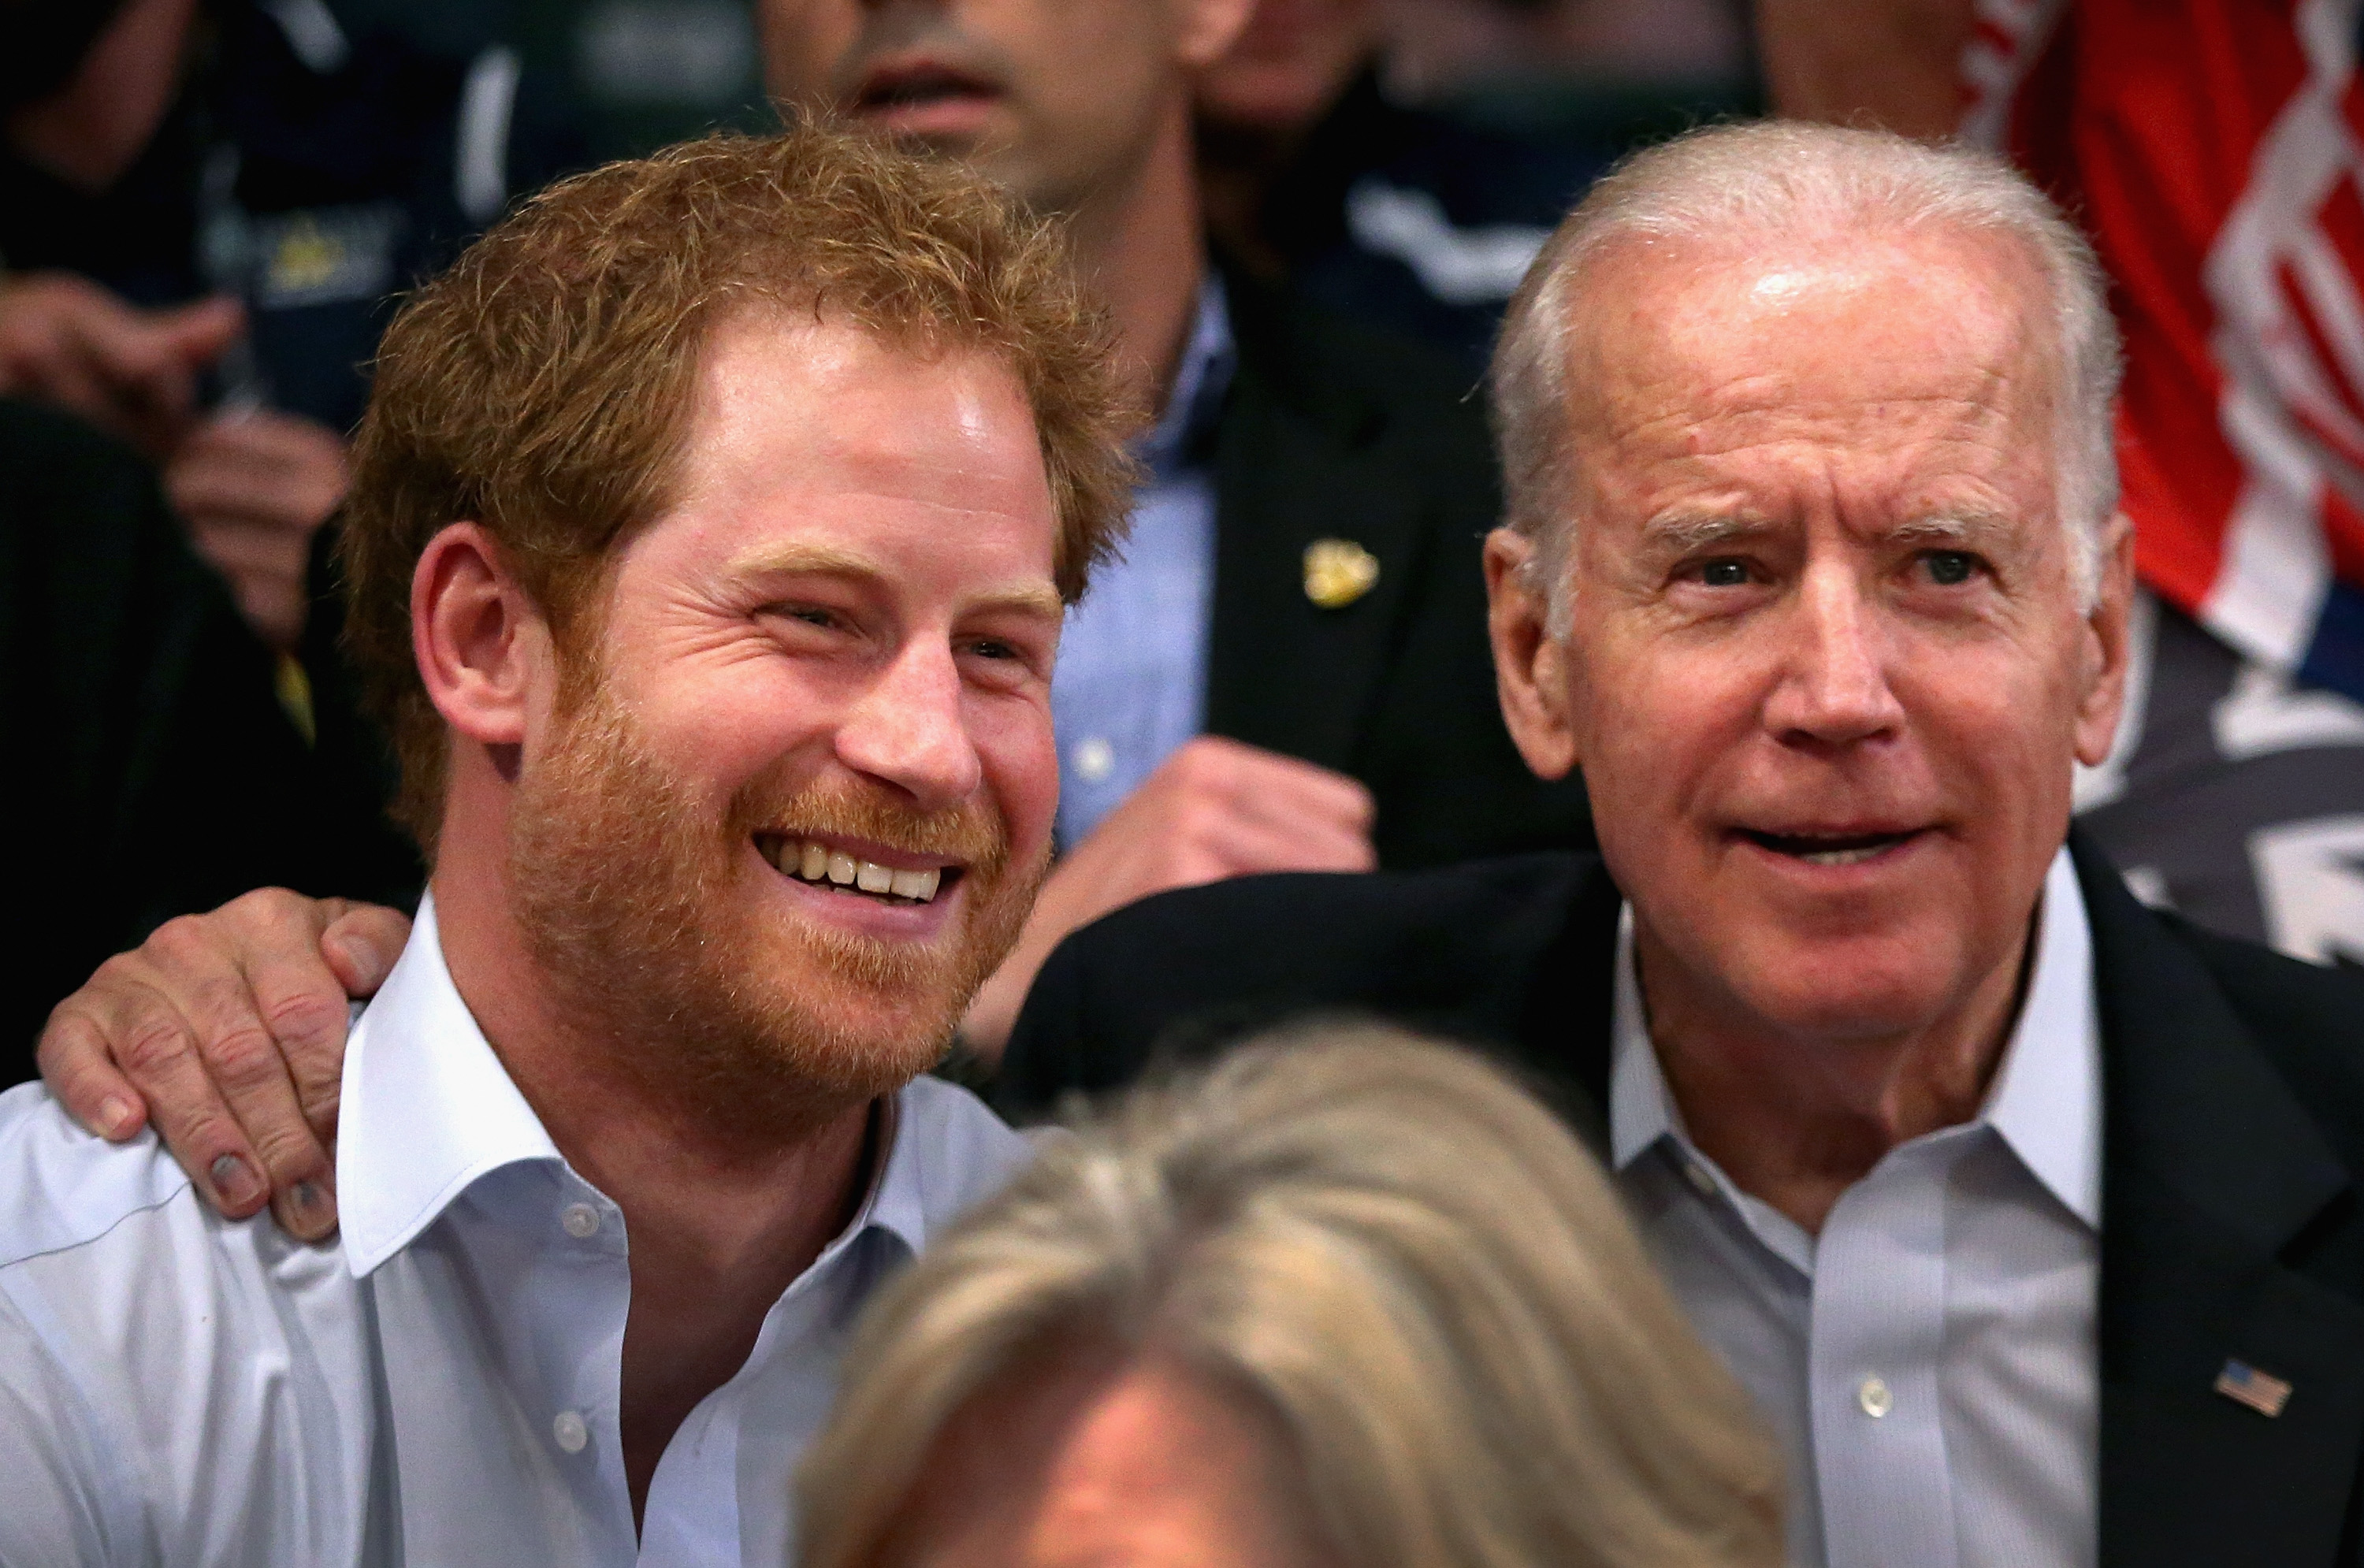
(1828, 665)
(797, 810)
(1057, 100)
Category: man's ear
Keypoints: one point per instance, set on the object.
(483, 646)
(1206, 29)
(1530, 667)
(2107, 645)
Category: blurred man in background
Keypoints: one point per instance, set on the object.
(1401, 161)
(2211, 148)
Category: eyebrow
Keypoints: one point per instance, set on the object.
(1680, 533)
(799, 557)
(1979, 529)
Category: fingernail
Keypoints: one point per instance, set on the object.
(316, 1211)
(359, 957)
(114, 1115)
(235, 1183)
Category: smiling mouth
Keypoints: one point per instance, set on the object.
(1830, 849)
(834, 869)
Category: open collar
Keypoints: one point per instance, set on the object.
(427, 1110)
(2045, 1101)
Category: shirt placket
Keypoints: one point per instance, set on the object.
(1878, 1337)
(586, 1426)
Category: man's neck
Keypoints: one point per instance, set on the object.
(720, 1223)
(1143, 246)
(1795, 1121)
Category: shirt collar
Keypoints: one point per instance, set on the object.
(428, 1111)
(2046, 1102)
(1200, 380)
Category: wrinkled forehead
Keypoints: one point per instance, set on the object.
(1663, 333)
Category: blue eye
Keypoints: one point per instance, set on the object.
(1950, 568)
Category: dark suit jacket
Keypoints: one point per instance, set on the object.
(2234, 1126)
(152, 773)
(1331, 433)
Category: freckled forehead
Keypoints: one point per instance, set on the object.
(1942, 325)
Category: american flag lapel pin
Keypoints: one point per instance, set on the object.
(2260, 1390)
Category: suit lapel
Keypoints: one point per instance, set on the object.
(2218, 1192)
(1563, 1033)
(1295, 463)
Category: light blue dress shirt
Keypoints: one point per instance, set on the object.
(1928, 1361)
(437, 1387)
(1130, 686)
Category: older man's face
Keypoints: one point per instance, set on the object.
(799, 810)
(1056, 99)
(1828, 667)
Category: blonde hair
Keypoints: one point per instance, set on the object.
(542, 387)
(1738, 184)
(1401, 1255)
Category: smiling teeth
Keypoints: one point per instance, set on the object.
(814, 862)
(1842, 857)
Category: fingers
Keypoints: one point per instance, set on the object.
(196, 335)
(1247, 809)
(130, 369)
(274, 470)
(229, 1029)
(230, 1108)
(361, 944)
(75, 1065)
(121, 1036)
(1214, 810)
(253, 489)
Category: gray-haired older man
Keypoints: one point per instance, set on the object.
(2027, 1214)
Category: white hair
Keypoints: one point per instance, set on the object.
(1397, 1252)
(1786, 180)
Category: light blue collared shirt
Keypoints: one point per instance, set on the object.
(440, 1386)
(1928, 1361)
(1130, 686)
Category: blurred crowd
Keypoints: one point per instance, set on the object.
(1341, 1294)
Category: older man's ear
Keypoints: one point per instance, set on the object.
(1531, 670)
(2109, 634)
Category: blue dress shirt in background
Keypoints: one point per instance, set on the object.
(1130, 686)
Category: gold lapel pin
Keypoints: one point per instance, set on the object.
(1338, 572)
(2244, 1385)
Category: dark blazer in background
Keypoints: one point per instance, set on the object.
(1331, 431)
(152, 771)
(2234, 1130)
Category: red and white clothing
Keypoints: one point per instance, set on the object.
(2214, 150)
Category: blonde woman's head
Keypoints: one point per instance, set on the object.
(1348, 1297)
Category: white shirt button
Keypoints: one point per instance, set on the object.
(1095, 759)
(580, 1220)
(570, 1432)
(1874, 1397)
(1702, 1182)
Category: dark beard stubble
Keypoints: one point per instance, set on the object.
(631, 894)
